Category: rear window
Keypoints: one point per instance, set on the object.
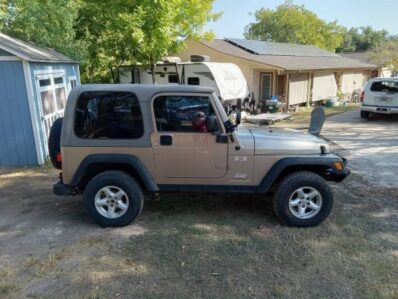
(108, 115)
(384, 86)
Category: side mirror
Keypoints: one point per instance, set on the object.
(212, 123)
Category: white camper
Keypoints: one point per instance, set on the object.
(226, 78)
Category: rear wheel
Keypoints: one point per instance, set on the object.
(113, 198)
(303, 199)
(365, 114)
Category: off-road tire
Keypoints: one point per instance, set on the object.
(54, 142)
(123, 181)
(287, 187)
(365, 114)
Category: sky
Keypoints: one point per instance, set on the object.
(380, 14)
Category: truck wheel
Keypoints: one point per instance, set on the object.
(303, 199)
(365, 114)
(113, 198)
(54, 143)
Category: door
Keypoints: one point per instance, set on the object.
(182, 146)
(266, 86)
(51, 89)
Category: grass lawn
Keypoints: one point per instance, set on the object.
(195, 246)
(301, 119)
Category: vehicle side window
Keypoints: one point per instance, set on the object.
(182, 113)
(108, 115)
(384, 86)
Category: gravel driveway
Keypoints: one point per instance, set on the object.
(370, 145)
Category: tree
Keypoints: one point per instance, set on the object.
(386, 55)
(363, 39)
(290, 23)
(45, 22)
(138, 31)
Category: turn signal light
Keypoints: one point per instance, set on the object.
(339, 165)
(362, 96)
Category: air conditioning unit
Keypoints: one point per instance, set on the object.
(200, 58)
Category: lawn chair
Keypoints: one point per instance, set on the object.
(317, 120)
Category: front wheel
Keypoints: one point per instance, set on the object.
(303, 199)
(113, 198)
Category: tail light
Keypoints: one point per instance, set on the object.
(362, 96)
(59, 157)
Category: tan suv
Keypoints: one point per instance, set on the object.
(119, 141)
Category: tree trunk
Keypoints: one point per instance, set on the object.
(153, 73)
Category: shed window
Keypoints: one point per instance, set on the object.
(59, 80)
(44, 82)
(47, 102)
(108, 115)
(60, 97)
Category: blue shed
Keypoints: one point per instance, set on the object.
(34, 86)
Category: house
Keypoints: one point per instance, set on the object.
(386, 71)
(296, 73)
(34, 85)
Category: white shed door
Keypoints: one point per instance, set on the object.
(324, 86)
(298, 88)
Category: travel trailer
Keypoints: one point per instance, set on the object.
(226, 78)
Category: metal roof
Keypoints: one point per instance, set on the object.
(31, 52)
(289, 62)
(279, 49)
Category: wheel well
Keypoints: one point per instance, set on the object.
(96, 168)
(321, 170)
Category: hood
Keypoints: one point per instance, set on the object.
(273, 141)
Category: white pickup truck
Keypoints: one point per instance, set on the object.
(380, 96)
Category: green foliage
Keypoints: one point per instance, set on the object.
(363, 39)
(290, 23)
(107, 33)
(386, 54)
(44, 22)
(137, 31)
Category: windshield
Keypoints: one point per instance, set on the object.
(220, 108)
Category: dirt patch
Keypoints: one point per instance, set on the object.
(195, 246)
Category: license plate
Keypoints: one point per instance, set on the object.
(384, 99)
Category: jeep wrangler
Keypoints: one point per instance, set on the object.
(117, 142)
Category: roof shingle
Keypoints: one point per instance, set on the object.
(30, 51)
(310, 59)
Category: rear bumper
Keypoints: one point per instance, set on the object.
(61, 189)
(380, 109)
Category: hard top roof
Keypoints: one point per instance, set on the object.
(145, 91)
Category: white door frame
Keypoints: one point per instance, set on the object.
(47, 120)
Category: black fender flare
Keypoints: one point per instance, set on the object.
(129, 160)
(327, 161)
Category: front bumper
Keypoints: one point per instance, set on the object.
(337, 175)
(61, 189)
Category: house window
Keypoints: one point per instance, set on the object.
(108, 115)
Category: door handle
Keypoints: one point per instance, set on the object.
(166, 140)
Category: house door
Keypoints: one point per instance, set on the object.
(182, 146)
(266, 87)
(51, 92)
